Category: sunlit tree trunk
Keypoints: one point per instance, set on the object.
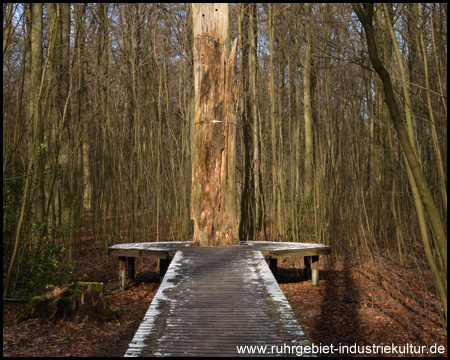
(307, 103)
(213, 204)
(273, 126)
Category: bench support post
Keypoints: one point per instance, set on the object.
(122, 260)
(125, 262)
(163, 266)
(312, 269)
(131, 271)
(273, 264)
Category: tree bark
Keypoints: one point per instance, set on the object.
(213, 204)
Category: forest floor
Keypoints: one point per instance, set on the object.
(361, 303)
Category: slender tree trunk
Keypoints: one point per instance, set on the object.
(63, 88)
(7, 28)
(273, 133)
(246, 225)
(213, 203)
(251, 197)
(434, 135)
(36, 14)
(293, 164)
(81, 101)
(252, 26)
(280, 189)
(365, 17)
(307, 103)
(409, 127)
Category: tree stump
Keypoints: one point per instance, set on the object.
(80, 302)
(213, 203)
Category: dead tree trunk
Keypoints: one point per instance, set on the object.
(213, 203)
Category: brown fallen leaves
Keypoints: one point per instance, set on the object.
(364, 304)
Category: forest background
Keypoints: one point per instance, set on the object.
(98, 128)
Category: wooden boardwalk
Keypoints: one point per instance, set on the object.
(212, 300)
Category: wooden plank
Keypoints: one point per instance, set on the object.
(213, 300)
(162, 250)
(158, 250)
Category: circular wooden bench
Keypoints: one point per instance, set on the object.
(165, 251)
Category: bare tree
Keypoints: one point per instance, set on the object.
(213, 203)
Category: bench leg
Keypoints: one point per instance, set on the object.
(131, 271)
(311, 271)
(163, 266)
(273, 264)
(122, 261)
(315, 270)
(307, 269)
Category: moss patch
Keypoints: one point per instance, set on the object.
(80, 302)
